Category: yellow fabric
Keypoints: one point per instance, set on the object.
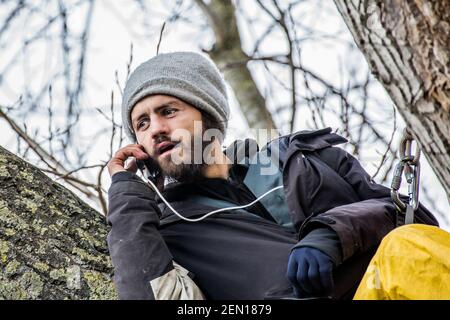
(412, 262)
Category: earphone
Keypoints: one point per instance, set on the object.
(209, 213)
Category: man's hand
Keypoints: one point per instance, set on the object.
(311, 272)
(117, 162)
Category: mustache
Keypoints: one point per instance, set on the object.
(161, 138)
(168, 143)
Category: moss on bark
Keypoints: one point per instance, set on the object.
(52, 244)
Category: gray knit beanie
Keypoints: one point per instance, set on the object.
(188, 76)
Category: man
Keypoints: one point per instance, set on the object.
(312, 238)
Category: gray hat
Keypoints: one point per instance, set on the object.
(188, 76)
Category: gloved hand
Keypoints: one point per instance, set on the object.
(310, 272)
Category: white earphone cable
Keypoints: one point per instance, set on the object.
(209, 213)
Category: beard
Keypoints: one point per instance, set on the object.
(185, 172)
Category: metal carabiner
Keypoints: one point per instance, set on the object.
(395, 186)
(405, 147)
(413, 179)
(411, 165)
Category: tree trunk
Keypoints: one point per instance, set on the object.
(52, 245)
(407, 45)
(228, 55)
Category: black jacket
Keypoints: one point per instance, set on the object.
(243, 254)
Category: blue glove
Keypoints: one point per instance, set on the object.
(311, 272)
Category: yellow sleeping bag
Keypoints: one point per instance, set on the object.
(412, 262)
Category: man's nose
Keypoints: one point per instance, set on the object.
(158, 127)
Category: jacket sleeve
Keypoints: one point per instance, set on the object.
(362, 224)
(325, 240)
(143, 264)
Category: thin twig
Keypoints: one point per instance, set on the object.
(160, 37)
(383, 158)
(55, 166)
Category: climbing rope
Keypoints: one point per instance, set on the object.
(409, 164)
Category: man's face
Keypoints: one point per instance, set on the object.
(166, 127)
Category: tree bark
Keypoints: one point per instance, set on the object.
(52, 244)
(228, 55)
(407, 45)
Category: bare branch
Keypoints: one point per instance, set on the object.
(160, 37)
(389, 148)
(55, 166)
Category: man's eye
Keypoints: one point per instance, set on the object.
(141, 123)
(169, 111)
